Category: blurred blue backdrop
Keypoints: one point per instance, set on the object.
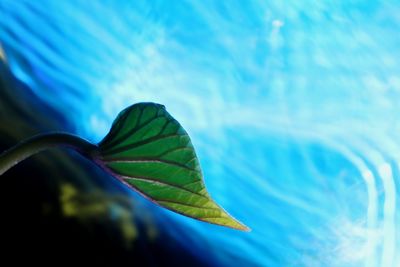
(291, 105)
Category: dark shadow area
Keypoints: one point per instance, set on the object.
(58, 208)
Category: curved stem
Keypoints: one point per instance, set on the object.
(37, 143)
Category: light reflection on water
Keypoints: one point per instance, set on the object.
(292, 108)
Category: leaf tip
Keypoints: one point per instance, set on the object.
(237, 225)
(244, 228)
(227, 220)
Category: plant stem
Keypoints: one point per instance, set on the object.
(37, 143)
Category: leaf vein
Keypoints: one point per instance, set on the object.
(136, 128)
(149, 160)
(155, 181)
(139, 143)
(186, 204)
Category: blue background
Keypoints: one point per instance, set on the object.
(292, 107)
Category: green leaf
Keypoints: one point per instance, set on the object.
(149, 151)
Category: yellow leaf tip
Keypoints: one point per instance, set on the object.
(240, 226)
(245, 228)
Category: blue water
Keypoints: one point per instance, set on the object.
(291, 105)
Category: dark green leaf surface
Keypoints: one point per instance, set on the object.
(151, 152)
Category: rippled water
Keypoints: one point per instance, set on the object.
(293, 108)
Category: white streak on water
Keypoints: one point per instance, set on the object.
(389, 245)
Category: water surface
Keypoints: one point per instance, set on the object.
(292, 107)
